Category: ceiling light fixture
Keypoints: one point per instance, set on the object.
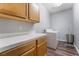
(57, 4)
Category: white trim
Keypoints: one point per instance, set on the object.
(76, 48)
(62, 40)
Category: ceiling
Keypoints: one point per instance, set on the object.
(52, 8)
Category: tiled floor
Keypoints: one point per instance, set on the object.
(62, 50)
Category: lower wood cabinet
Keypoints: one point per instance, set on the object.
(41, 47)
(31, 52)
(19, 50)
(33, 48)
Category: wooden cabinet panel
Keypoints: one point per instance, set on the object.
(42, 49)
(41, 46)
(32, 48)
(14, 9)
(20, 11)
(33, 12)
(31, 52)
(41, 39)
(17, 51)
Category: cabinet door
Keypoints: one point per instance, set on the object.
(14, 9)
(31, 52)
(33, 12)
(42, 49)
(19, 50)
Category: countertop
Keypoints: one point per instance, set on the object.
(10, 42)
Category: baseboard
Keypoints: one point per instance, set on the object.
(62, 40)
(76, 48)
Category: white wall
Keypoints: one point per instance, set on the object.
(44, 19)
(76, 23)
(11, 26)
(62, 22)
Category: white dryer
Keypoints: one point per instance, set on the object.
(53, 36)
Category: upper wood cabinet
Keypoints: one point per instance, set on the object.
(33, 12)
(14, 9)
(20, 11)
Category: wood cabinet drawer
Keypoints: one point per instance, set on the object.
(41, 39)
(19, 50)
(31, 52)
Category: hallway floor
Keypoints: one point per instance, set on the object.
(62, 50)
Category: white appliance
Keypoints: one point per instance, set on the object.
(53, 37)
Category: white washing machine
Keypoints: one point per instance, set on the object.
(53, 36)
